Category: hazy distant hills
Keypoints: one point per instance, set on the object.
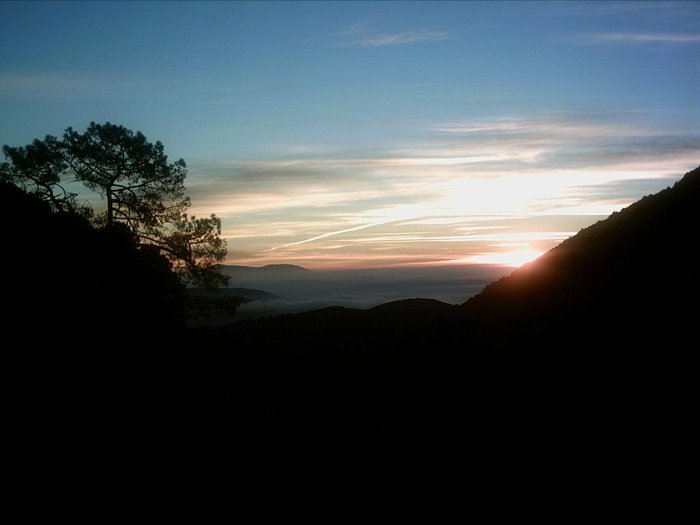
(270, 271)
(344, 326)
(300, 290)
(220, 306)
(247, 294)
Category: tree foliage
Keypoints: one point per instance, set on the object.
(194, 246)
(144, 192)
(37, 169)
(141, 188)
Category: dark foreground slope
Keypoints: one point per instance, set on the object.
(573, 369)
(604, 325)
(570, 369)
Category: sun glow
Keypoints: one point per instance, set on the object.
(514, 258)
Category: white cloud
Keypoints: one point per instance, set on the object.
(558, 125)
(318, 206)
(332, 234)
(367, 35)
(637, 38)
(624, 8)
(397, 39)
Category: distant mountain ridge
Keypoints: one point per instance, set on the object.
(267, 268)
(258, 274)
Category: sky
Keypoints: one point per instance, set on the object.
(375, 134)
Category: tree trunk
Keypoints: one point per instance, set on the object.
(110, 212)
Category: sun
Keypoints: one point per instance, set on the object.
(513, 258)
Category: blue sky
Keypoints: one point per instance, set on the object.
(359, 134)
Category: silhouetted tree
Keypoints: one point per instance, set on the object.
(141, 188)
(194, 245)
(144, 192)
(37, 169)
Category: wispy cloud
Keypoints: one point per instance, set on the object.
(636, 38)
(317, 206)
(60, 83)
(562, 125)
(398, 39)
(219, 102)
(625, 8)
(669, 11)
(364, 35)
(238, 90)
(332, 234)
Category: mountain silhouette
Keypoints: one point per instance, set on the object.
(596, 332)
(572, 369)
(642, 257)
(267, 271)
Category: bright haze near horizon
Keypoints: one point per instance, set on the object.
(339, 135)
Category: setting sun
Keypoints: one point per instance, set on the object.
(515, 258)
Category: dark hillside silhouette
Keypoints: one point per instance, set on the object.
(76, 278)
(573, 369)
(568, 368)
(81, 307)
(641, 259)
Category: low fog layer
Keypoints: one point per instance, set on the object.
(299, 290)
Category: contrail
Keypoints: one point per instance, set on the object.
(331, 234)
